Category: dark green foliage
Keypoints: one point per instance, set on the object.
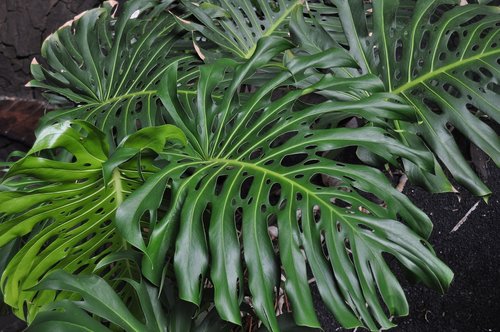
(193, 172)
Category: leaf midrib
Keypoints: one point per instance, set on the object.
(441, 70)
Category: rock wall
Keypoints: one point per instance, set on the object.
(24, 24)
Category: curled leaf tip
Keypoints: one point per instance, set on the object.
(183, 20)
(198, 51)
(76, 18)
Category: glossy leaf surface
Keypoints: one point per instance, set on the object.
(256, 161)
(100, 299)
(61, 205)
(110, 67)
(236, 25)
(442, 58)
(102, 302)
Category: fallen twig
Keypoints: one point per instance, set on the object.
(461, 222)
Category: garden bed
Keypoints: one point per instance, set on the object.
(465, 227)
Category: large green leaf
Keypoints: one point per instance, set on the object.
(106, 306)
(100, 299)
(237, 25)
(257, 161)
(314, 38)
(61, 203)
(443, 59)
(109, 67)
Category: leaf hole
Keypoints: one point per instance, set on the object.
(424, 41)
(253, 119)
(282, 139)
(473, 76)
(398, 52)
(433, 106)
(486, 72)
(340, 203)
(81, 269)
(366, 228)
(434, 82)
(293, 159)
(452, 90)
(274, 194)
(485, 32)
(105, 224)
(219, 184)
(311, 162)
(494, 87)
(199, 183)
(242, 147)
(439, 12)
(187, 173)
(245, 187)
(268, 127)
(471, 108)
(473, 20)
(256, 154)
(453, 41)
(349, 178)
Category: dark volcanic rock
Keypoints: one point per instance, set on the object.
(19, 119)
(23, 27)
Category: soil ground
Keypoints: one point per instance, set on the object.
(472, 303)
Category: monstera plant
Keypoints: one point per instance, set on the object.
(211, 160)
